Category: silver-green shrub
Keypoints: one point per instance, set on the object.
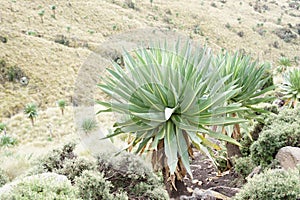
(41, 189)
(243, 166)
(279, 131)
(272, 185)
(92, 185)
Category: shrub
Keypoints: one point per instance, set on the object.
(92, 185)
(272, 185)
(130, 173)
(2, 127)
(74, 167)
(31, 112)
(61, 104)
(244, 166)
(46, 189)
(7, 141)
(89, 125)
(279, 131)
(3, 178)
(54, 160)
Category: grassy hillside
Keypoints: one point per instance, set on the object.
(50, 44)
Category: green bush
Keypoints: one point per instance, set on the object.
(272, 185)
(64, 161)
(3, 178)
(130, 173)
(54, 160)
(42, 189)
(74, 167)
(279, 131)
(7, 141)
(244, 166)
(93, 185)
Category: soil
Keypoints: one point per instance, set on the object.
(206, 176)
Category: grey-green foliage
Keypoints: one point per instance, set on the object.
(73, 168)
(130, 173)
(89, 125)
(41, 189)
(92, 185)
(272, 185)
(7, 141)
(279, 131)
(2, 126)
(243, 166)
(3, 178)
(64, 161)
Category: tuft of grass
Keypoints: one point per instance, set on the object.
(89, 125)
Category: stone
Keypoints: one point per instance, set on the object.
(288, 157)
(255, 171)
(200, 194)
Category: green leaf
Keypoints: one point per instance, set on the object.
(183, 150)
(170, 145)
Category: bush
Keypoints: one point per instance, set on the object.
(74, 167)
(279, 131)
(130, 173)
(41, 189)
(272, 185)
(244, 166)
(3, 178)
(93, 185)
(64, 161)
(7, 141)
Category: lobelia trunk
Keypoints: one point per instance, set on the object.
(159, 162)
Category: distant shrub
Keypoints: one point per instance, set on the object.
(244, 166)
(279, 131)
(89, 125)
(92, 185)
(3, 178)
(2, 127)
(272, 185)
(46, 189)
(7, 141)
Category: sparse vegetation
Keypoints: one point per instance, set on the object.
(53, 8)
(41, 13)
(7, 141)
(31, 112)
(62, 105)
(89, 125)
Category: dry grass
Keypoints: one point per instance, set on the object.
(52, 68)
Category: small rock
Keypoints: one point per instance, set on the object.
(24, 80)
(255, 171)
(195, 181)
(3, 39)
(190, 190)
(208, 195)
(288, 157)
